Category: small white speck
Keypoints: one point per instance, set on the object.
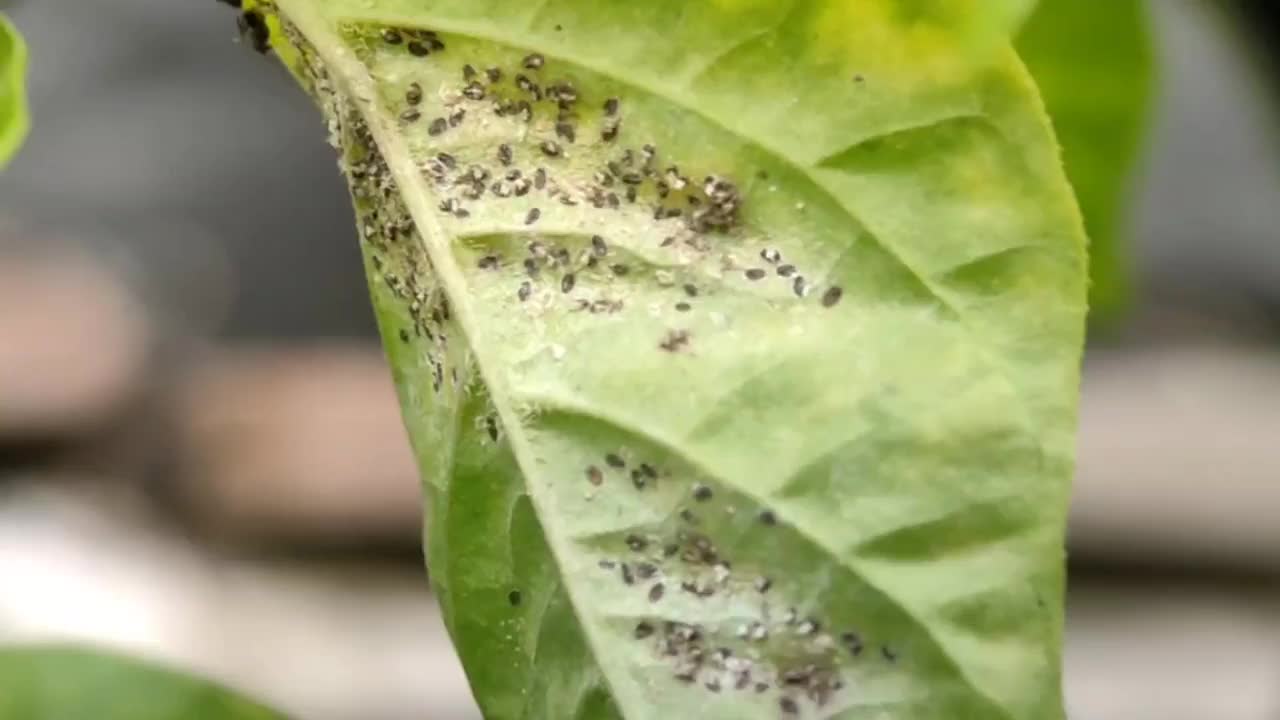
(800, 206)
(557, 351)
(721, 573)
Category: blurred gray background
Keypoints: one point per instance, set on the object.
(201, 458)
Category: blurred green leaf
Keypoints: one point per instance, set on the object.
(69, 683)
(1093, 61)
(13, 104)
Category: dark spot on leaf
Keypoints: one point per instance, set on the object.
(683, 307)
(620, 269)
(799, 286)
(514, 598)
(768, 517)
(643, 630)
(594, 476)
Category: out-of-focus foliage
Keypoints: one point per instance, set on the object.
(13, 105)
(1094, 64)
(64, 683)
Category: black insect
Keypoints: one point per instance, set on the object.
(702, 493)
(611, 106)
(550, 148)
(656, 592)
(253, 27)
(514, 598)
(643, 630)
(525, 291)
(532, 217)
(413, 95)
(417, 48)
(786, 270)
(755, 274)
(391, 36)
(832, 296)
(567, 282)
(437, 127)
(504, 154)
(534, 61)
(615, 460)
(594, 476)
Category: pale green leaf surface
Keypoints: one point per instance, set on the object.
(853, 506)
(69, 683)
(1094, 64)
(13, 103)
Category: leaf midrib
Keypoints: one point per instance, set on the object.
(354, 77)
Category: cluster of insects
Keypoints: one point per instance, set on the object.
(780, 650)
(539, 172)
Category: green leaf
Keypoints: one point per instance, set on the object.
(62, 683)
(13, 106)
(1093, 62)
(802, 450)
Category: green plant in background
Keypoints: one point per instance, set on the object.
(738, 343)
(67, 683)
(1093, 63)
(13, 105)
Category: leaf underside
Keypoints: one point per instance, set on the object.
(65, 683)
(1094, 65)
(738, 343)
(13, 104)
